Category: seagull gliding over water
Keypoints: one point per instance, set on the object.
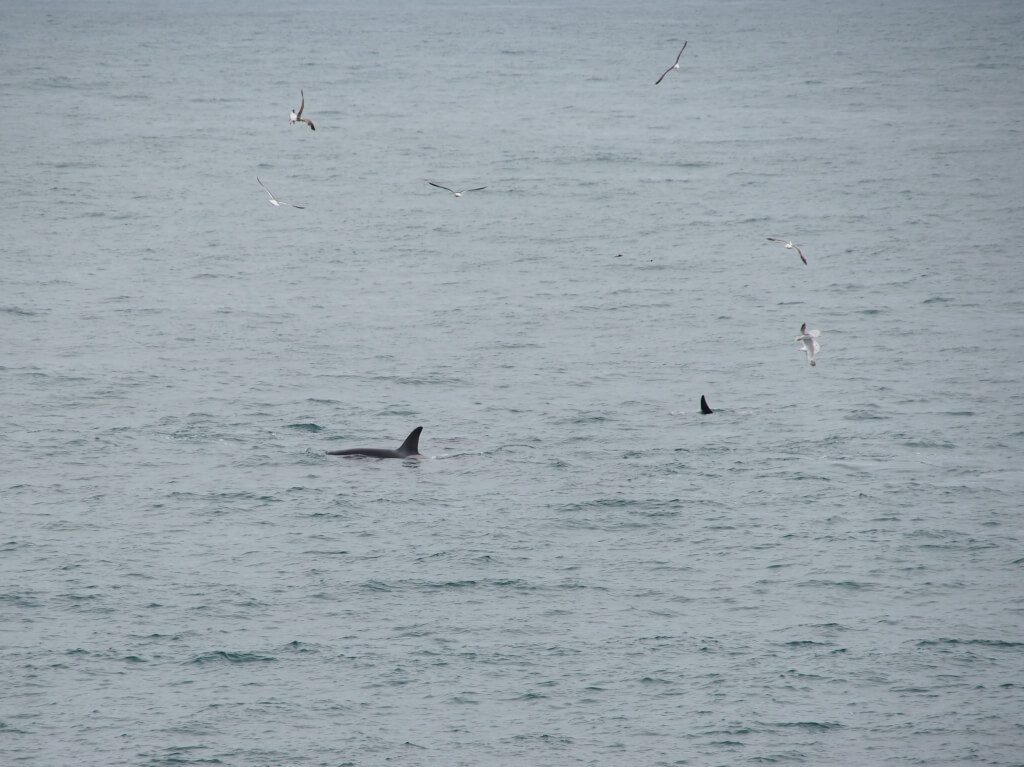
(458, 193)
(276, 202)
(674, 66)
(790, 246)
(297, 116)
(807, 337)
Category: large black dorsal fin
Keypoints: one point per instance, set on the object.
(704, 406)
(411, 446)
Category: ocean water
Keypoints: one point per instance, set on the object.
(827, 570)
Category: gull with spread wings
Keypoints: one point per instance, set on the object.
(674, 66)
(810, 344)
(790, 246)
(276, 202)
(297, 116)
(458, 193)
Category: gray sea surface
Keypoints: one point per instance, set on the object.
(828, 570)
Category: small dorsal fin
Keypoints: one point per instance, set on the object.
(411, 446)
(704, 406)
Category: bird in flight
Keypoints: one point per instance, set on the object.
(674, 66)
(297, 116)
(458, 193)
(810, 344)
(790, 246)
(276, 202)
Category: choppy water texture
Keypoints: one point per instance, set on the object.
(827, 570)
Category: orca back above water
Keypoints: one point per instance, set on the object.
(704, 406)
(409, 449)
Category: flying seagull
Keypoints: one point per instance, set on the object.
(674, 66)
(274, 200)
(790, 246)
(807, 338)
(297, 116)
(458, 193)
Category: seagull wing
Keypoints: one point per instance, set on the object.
(658, 81)
(800, 253)
(475, 189)
(309, 123)
(776, 239)
(265, 189)
(441, 187)
(681, 52)
(302, 105)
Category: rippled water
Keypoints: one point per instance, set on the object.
(827, 570)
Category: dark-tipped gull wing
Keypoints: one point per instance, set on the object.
(439, 186)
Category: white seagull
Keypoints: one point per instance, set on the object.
(297, 116)
(458, 193)
(807, 338)
(276, 202)
(674, 66)
(790, 246)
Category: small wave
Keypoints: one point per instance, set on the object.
(841, 584)
(809, 725)
(451, 585)
(232, 657)
(17, 600)
(929, 443)
(865, 415)
(996, 643)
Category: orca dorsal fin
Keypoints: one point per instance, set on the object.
(704, 406)
(411, 446)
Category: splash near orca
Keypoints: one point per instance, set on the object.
(409, 449)
(704, 406)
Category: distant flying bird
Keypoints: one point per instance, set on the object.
(674, 66)
(297, 116)
(276, 202)
(790, 246)
(458, 193)
(807, 338)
